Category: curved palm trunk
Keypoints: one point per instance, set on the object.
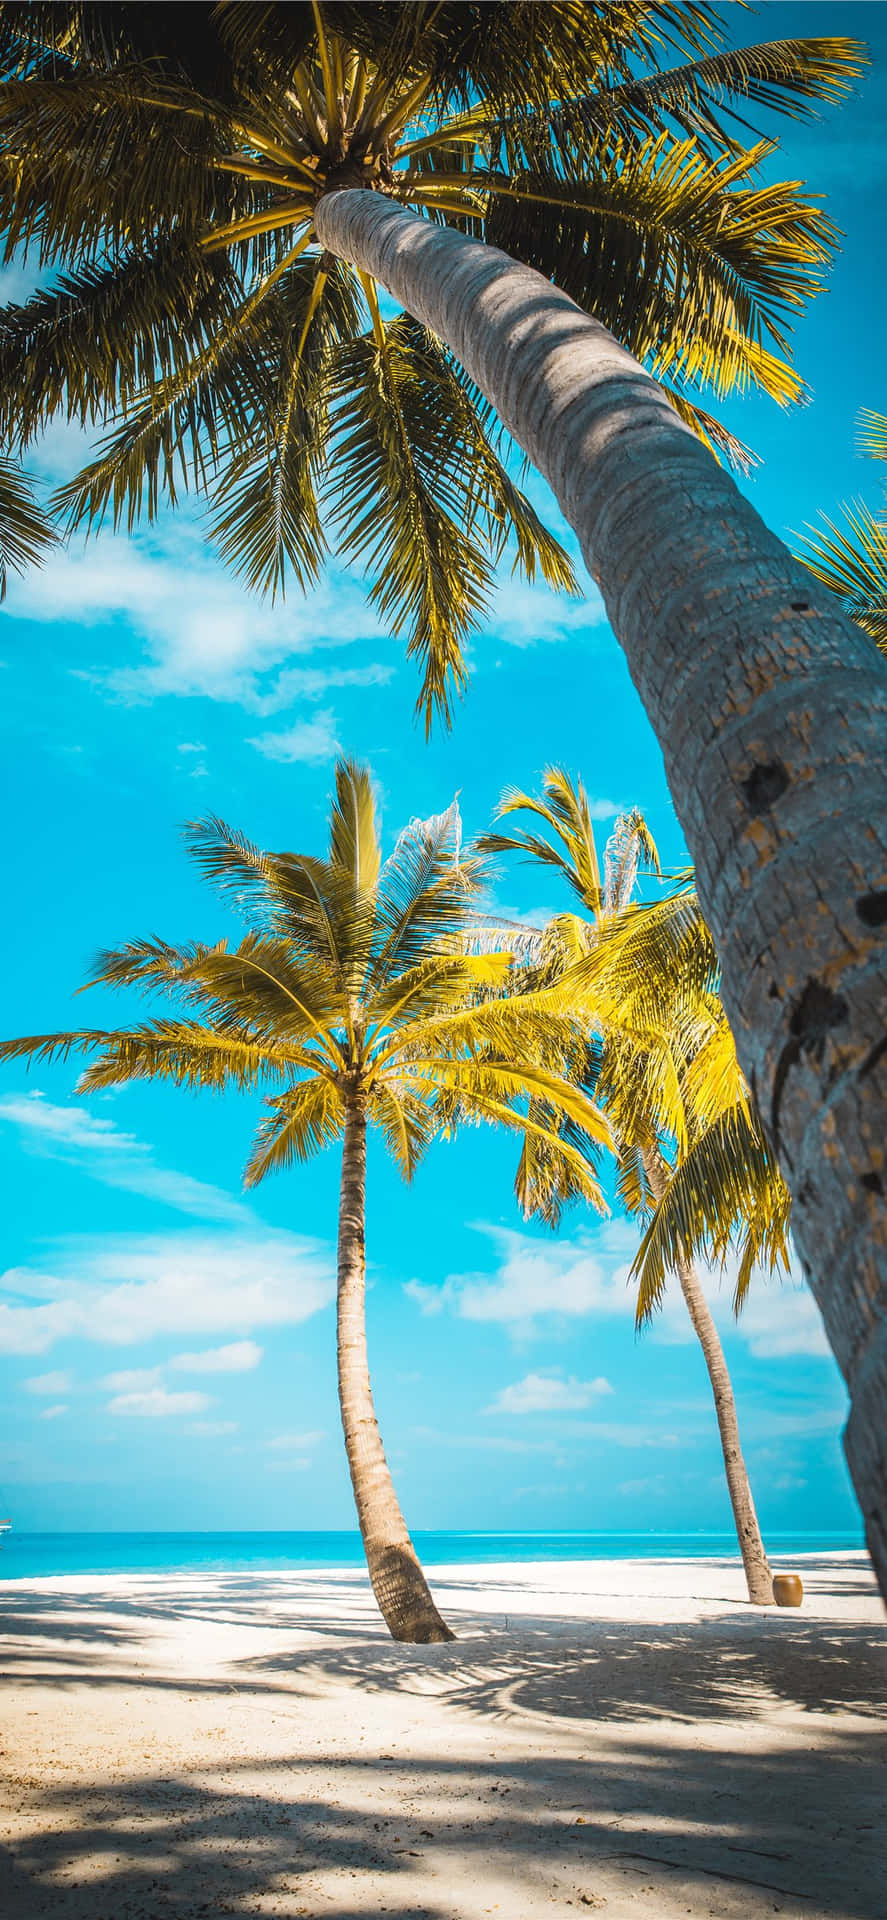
(397, 1579)
(758, 1577)
(770, 709)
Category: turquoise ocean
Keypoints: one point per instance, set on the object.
(30, 1556)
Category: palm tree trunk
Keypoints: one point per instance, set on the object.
(770, 708)
(758, 1577)
(397, 1579)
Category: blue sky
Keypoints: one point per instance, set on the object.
(166, 1345)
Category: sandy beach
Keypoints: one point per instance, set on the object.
(628, 1737)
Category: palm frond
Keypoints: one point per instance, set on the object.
(872, 433)
(301, 1123)
(850, 558)
(727, 1177)
(407, 1124)
(27, 535)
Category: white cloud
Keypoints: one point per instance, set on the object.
(212, 1429)
(537, 1278)
(240, 1356)
(115, 1158)
(201, 632)
(311, 683)
(191, 746)
(778, 1320)
(156, 1404)
(294, 1442)
(131, 1379)
(523, 615)
(589, 1276)
(72, 1127)
(309, 741)
(547, 1393)
(119, 1291)
(53, 1413)
(49, 1383)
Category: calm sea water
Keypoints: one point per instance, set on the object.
(28, 1556)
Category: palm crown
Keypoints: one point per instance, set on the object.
(664, 1062)
(355, 983)
(168, 162)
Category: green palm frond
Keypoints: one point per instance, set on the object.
(166, 167)
(26, 533)
(850, 558)
(354, 989)
(185, 1053)
(872, 433)
(667, 245)
(408, 1124)
(726, 1177)
(424, 895)
(565, 808)
(301, 1123)
(354, 842)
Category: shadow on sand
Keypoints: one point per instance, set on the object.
(587, 1790)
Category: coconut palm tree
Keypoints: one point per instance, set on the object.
(218, 186)
(654, 1026)
(850, 555)
(352, 997)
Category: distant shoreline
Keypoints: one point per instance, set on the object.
(100, 1555)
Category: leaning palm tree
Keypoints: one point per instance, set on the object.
(652, 1026)
(219, 186)
(850, 555)
(355, 999)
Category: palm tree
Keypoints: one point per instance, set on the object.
(850, 556)
(225, 188)
(354, 997)
(649, 1054)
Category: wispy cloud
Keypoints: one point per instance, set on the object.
(115, 1158)
(155, 1403)
(51, 1126)
(548, 1393)
(54, 1413)
(49, 1383)
(527, 616)
(240, 1356)
(309, 741)
(294, 1442)
(119, 1291)
(212, 1429)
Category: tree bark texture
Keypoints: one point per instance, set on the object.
(758, 1576)
(771, 711)
(398, 1582)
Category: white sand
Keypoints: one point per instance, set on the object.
(630, 1737)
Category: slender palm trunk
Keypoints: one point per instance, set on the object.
(758, 1577)
(398, 1582)
(770, 708)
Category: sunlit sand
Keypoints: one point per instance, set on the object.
(627, 1736)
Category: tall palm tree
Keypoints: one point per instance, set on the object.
(218, 186)
(354, 997)
(850, 555)
(640, 1068)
